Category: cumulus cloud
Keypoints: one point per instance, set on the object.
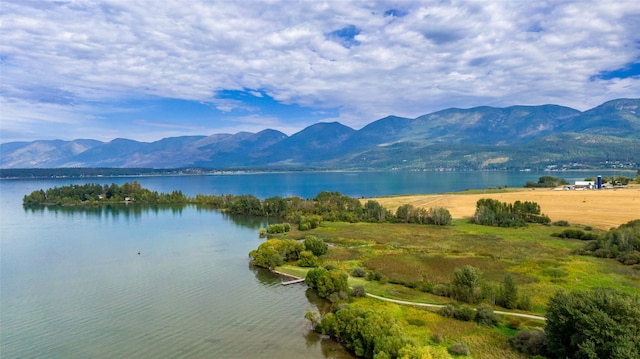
(366, 59)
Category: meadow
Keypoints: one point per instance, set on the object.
(415, 262)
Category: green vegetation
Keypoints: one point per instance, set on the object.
(599, 323)
(95, 193)
(622, 243)
(491, 212)
(513, 267)
(308, 214)
(278, 228)
(546, 182)
(331, 284)
(373, 333)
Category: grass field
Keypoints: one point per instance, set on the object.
(413, 258)
(601, 209)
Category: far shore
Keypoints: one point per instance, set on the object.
(596, 208)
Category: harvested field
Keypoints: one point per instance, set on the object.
(601, 209)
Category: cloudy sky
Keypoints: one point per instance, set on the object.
(147, 69)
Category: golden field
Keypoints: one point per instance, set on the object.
(601, 209)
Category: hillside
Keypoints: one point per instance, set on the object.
(516, 137)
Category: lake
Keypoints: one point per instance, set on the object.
(172, 282)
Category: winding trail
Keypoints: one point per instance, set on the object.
(404, 302)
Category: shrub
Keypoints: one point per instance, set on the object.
(447, 311)
(374, 275)
(441, 290)
(359, 272)
(358, 291)
(576, 234)
(426, 287)
(531, 342)
(459, 349)
(307, 259)
(464, 313)
(524, 302)
(316, 245)
(561, 223)
(486, 316)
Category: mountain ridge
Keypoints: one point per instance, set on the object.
(484, 137)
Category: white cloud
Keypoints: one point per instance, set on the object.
(438, 55)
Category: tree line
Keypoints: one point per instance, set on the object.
(327, 206)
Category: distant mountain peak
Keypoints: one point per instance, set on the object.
(470, 138)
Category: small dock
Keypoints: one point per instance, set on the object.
(299, 280)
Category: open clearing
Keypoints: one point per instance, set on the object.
(601, 209)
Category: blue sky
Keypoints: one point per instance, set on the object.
(146, 70)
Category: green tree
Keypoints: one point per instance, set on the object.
(266, 256)
(467, 284)
(599, 323)
(316, 245)
(439, 216)
(307, 259)
(313, 277)
(508, 293)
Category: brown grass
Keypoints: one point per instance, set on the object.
(601, 209)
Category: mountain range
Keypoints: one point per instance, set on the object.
(515, 137)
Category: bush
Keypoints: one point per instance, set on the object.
(464, 313)
(359, 272)
(307, 259)
(486, 316)
(447, 311)
(358, 291)
(561, 223)
(316, 245)
(374, 276)
(459, 349)
(278, 228)
(441, 290)
(576, 234)
(524, 302)
(531, 342)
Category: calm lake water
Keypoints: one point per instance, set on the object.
(74, 286)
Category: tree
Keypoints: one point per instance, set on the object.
(330, 284)
(466, 285)
(307, 259)
(439, 216)
(508, 293)
(599, 323)
(316, 245)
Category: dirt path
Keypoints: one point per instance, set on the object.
(404, 302)
(602, 209)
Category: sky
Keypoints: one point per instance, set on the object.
(147, 69)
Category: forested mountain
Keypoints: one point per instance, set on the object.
(515, 137)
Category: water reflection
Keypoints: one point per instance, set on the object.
(107, 210)
(264, 276)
